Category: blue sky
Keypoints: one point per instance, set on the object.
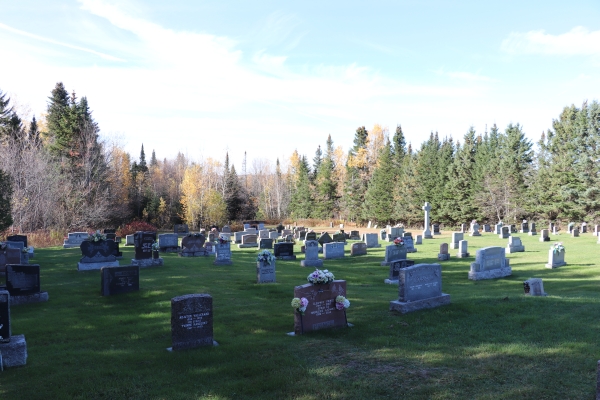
(267, 77)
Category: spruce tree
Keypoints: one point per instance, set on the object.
(325, 186)
(301, 205)
(379, 196)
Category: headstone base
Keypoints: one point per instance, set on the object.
(522, 231)
(411, 306)
(532, 233)
(96, 266)
(193, 254)
(170, 249)
(514, 249)
(214, 343)
(286, 258)
(491, 274)
(219, 262)
(429, 236)
(475, 234)
(70, 246)
(544, 239)
(29, 298)
(148, 262)
(391, 282)
(443, 257)
(247, 246)
(14, 353)
(311, 263)
(413, 250)
(462, 255)
(555, 265)
(375, 246)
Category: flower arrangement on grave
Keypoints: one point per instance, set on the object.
(25, 250)
(300, 304)
(557, 247)
(265, 257)
(96, 237)
(155, 246)
(341, 303)
(319, 277)
(399, 242)
(221, 240)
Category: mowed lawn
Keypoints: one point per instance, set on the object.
(491, 342)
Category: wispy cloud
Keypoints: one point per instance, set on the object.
(464, 76)
(56, 42)
(578, 41)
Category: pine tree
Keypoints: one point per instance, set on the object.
(379, 196)
(153, 160)
(301, 205)
(398, 147)
(325, 186)
(317, 160)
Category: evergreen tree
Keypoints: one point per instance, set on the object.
(302, 201)
(6, 219)
(406, 206)
(325, 185)
(232, 192)
(142, 167)
(379, 196)
(317, 160)
(398, 147)
(153, 160)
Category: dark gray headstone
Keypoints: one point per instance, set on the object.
(168, 242)
(181, 229)
(143, 244)
(122, 279)
(396, 266)
(193, 245)
(4, 316)
(311, 235)
(96, 252)
(419, 282)
(358, 249)
(325, 238)
(321, 312)
(354, 235)
(191, 321)
(18, 238)
(265, 243)
(23, 279)
(284, 250)
(222, 254)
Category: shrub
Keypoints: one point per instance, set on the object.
(134, 227)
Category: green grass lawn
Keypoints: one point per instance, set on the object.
(491, 342)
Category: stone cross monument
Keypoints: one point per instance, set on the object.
(427, 232)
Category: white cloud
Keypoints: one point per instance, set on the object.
(464, 76)
(578, 41)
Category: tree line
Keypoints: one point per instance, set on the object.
(59, 172)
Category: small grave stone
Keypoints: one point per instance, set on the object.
(168, 242)
(551, 226)
(246, 226)
(74, 239)
(436, 229)
(238, 237)
(312, 235)
(129, 240)
(222, 254)
(261, 225)
(382, 234)
(324, 238)
(532, 231)
(96, 255)
(395, 267)
(475, 230)
(311, 258)
(273, 235)
(265, 243)
(284, 251)
(118, 280)
(286, 232)
(555, 230)
(570, 227)
(265, 273)
(462, 249)
(321, 312)
(339, 237)
(143, 250)
(302, 235)
(463, 228)
(443, 255)
(545, 236)
(371, 240)
(225, 236)
(23, 256)
(393, 253)
(358, 249)
(419, 287)
(17, 238)
(192, 321)
(193, 246)
(251, 231)
(23, 284)
(333, 250)
(575, 232)
(490, 263)
(369, 225)
(534, 287)
(487, 228)
(248, 241)
(394, 232)
(13, 348)
(13, 256)
(456, 237)
(354, 235)
(596, 230)
(513, 229)
(181, 229)
(498, 228)
(409, 243)
(419, 239)
(524, 227)
(556, 259)
(209, 247)
(226, 229)
(514, 245)
(505, 233)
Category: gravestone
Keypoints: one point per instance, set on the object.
(74, 239)
(302, 235)
(225, 236)
(596, 230)
(208, 246)
(284, 251)
(333, 250)
(436, 229)
(426, 232)
(265, 243)
(369, 225)
(168, 242)
(462, 249)
(339, 237)
(534, 287)
(556, 259)
(555, 230)
(311, 258)
(226, 229)
(371, 240)
(193, 246)
(394, 232)
(181, 229)
(419, 239)
(513, 228)
(321, 312)
(393, 253)
(312, 235)
(409, 243)
(551, 226)
(13, 348)
(238, 237)
(463, 228)
(575, 232)
(248, 241)
(545, 236)
(505, 233)
(192, 321)
(273, 235)
(212, 236)
(17, 238)
(23, 284)
(222, 254)
(443, 255)
(532, 231)
(358, 249)
(383, 234)
(23, 255)
(286, 232)
(13, 256)
(260, 226)
(251, 231)
(129, 240)
(354, 235)
(490, 263)
(324, 238)
(514, 245)
(475, 230)
(498, 228)
(524, 227)
(487, 228)
(118, 280)
(143, 250)
(395, 267)
(96, 255)
(419, 288)
(265, 273)
(456, 237)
